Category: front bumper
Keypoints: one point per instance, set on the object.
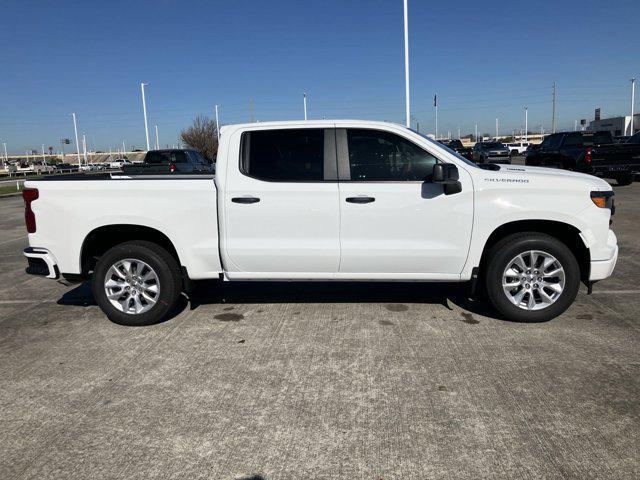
(41, 262)
(601, 269)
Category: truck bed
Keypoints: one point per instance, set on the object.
(181, 208)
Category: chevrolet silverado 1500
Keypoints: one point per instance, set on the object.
(325, 200)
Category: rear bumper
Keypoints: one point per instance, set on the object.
(41, 262)
(605, 170)
(601, 269)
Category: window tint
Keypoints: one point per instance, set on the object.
(635, 139)
(193, 155)
(597, 139)
(573, 140)
(165, 157)
(284, 155)
(382, 156)
(553, 141)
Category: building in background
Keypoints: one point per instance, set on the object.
(618, 126)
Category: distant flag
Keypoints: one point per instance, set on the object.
(435, 100)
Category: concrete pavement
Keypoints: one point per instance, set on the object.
(345, 380)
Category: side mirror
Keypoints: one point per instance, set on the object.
(447, 175)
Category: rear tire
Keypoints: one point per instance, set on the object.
(143, 293)
(531, 295)
(624, 179)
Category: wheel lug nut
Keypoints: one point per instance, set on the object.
(527, 286)
(539, 279)
(535, 285)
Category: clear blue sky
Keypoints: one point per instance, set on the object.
(485, 59)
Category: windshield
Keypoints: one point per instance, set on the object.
(493, 145)
(440, 145)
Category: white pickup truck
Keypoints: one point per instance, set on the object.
(325, 200)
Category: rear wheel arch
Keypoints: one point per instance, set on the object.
(566, 233)
(103, 238)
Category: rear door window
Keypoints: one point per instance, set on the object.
(291, 155)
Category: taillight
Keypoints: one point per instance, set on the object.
(29, 195)
(587, 155)
(172, 168)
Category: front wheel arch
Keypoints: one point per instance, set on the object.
(566, 233)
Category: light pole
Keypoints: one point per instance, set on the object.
(526, 123)
(84, 147)
(217, 124)
(553, 113)
(6, 158)
(44, 161)
(304, 104)
(75, 130)
(435, 104)
(144, 110)
(124, 148)
(157, 142)
(476, 137)
(406, 65)
(633, 95)
(496, 128)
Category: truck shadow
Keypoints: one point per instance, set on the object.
(212, 292)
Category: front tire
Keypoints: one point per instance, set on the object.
(531, 277)
(136, 283)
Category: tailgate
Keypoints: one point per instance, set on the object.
(617, 157)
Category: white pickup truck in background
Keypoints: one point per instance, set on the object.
(325, 200)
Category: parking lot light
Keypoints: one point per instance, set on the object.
(633, 94)
(217, 124)
(406, 65)
(144, 110)
(304, 104)
(75, 129)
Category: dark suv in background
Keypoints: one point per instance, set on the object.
(491, 152)
(158, 162)
(458, 147)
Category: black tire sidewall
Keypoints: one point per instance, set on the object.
(162, 263)
(507, 249)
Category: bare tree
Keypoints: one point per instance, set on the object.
(202, 135)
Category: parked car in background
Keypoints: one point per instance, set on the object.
(621, 138)
(517, 148)
(330, 200)
(65, 166)
(89, 167)
(531, 150)
(159, 162)
(589, 152)
(43, 168)
(119, 163)
(491, 152)
(456, 145)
